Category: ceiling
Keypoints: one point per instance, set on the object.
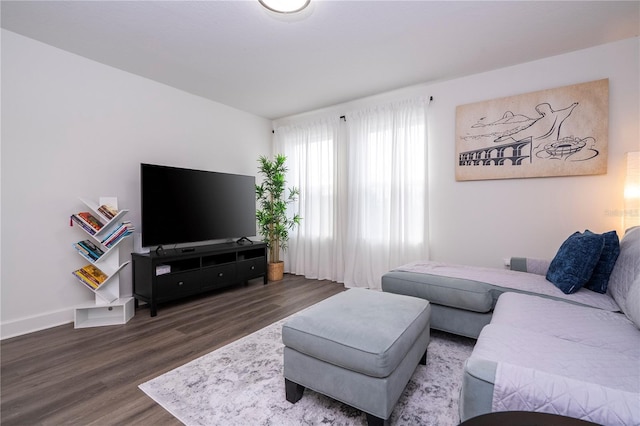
(239, 54)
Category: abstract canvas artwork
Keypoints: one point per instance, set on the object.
(554, 132)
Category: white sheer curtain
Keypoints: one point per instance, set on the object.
(363, 187)
(311, 148)
(387, 191)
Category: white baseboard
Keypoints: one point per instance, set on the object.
(35, 323)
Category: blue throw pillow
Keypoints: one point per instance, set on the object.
(600, 277)
(575, 261)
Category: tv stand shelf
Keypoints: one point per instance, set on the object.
(177, 273)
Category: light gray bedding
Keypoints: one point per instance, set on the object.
(512, 280)
(571, 360)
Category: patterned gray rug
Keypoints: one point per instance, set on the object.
(242, 384)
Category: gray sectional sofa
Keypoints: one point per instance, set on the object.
(539, 349)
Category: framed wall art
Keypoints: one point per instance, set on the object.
(554, 132)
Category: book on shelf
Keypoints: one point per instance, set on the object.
(75, 219)
(124, 229)
(89, 228)
(84, 252)
(88, 244)
(84, 278)
(108, 211)
(90, 220)
(89, 249)
(93, 273)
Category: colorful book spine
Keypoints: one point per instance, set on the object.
(84, 252)
(75, 219)
(86, 275)
(115, 237)
(94, 273)
(120, 232)
(90, 252)
(85, 280)
(108, 211)
(90, 220)
(115, 241)
(92, 248)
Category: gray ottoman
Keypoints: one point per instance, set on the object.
(360, 347)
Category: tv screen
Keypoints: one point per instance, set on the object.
(187, 206)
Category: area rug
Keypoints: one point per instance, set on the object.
(242, 384)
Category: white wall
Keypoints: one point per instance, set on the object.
(72, 127)
(483, 222)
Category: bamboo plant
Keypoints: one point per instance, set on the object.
(272, 216)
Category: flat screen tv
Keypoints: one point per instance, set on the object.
(189, 206)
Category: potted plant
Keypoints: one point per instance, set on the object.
(272, 211)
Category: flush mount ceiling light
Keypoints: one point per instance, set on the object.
(285, 6)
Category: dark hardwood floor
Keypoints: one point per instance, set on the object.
(64, 376)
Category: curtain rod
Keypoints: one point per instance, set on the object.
(342, 117)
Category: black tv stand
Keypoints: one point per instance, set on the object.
(179, 273)
(244, 240)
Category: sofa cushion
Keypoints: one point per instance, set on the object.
(417, 279)
(550, 374)
(457, 292)
(600, 277)
(581, 324)
(626, 272)
(575, 261)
